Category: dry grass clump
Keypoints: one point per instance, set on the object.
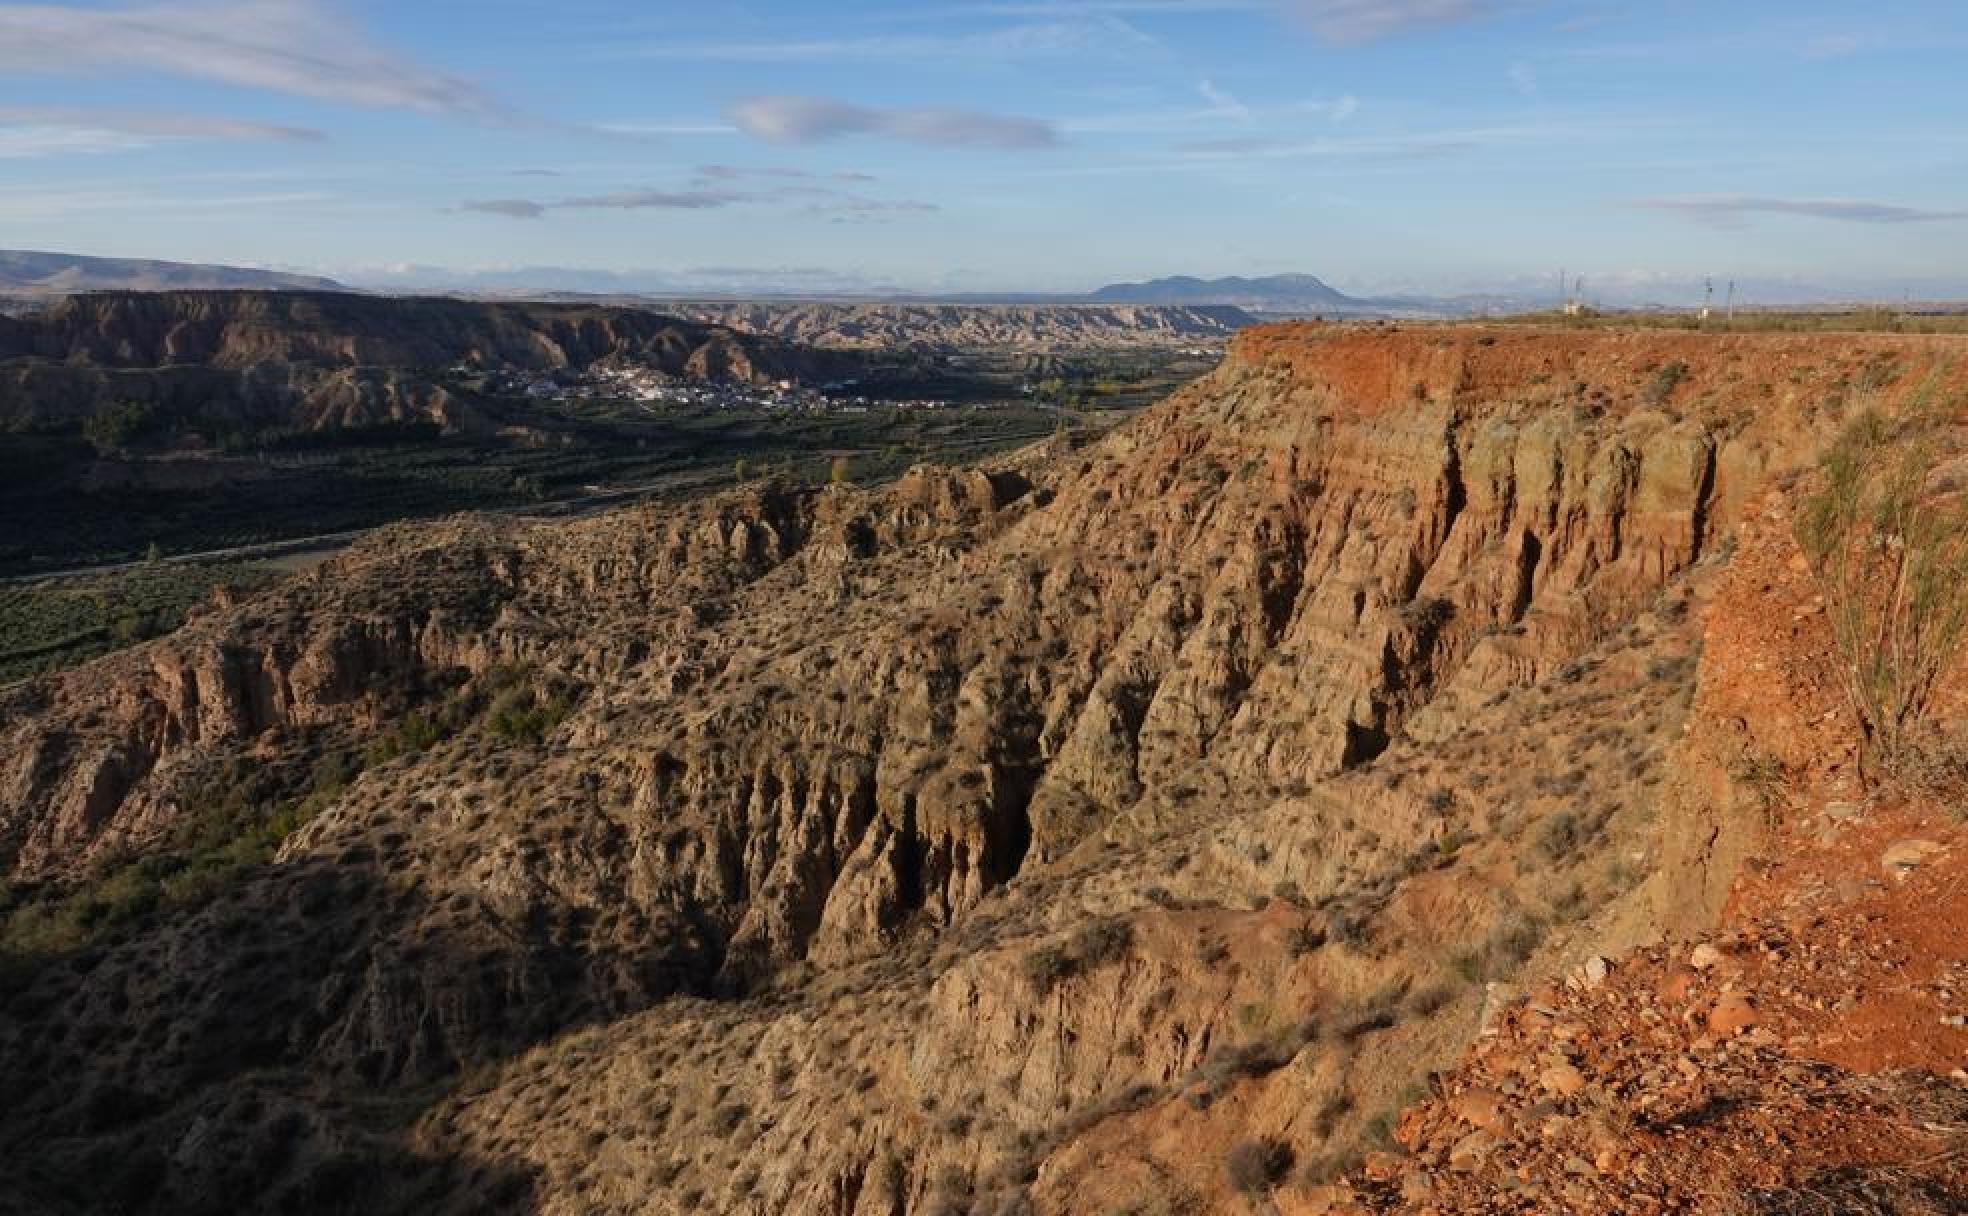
(1891, 547)
(1257, 1165)
(1092, 947)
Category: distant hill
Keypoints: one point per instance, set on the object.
(1289, 293)
(25, 272)
(952, 327)
(321, 361)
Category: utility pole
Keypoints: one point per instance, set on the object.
(1732, 303)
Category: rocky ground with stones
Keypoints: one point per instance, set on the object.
(1808, 1054)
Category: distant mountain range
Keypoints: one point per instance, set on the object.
(25, 272)
(32, 276)
(28, 277)
(1293, 293)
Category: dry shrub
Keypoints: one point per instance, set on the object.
(1891, 548)
(1257, 1165)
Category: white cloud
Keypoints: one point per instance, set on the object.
(286, 46)
(807, 120)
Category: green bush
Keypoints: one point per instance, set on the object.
(414, 734)
(239, 823)
(116, 425)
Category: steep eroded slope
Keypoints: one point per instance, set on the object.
(900, 847)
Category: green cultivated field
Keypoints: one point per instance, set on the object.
(62, 622)
(317, 486)
(177, 515)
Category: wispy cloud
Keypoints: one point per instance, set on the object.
(1735, 210)
(62, 203)
(733, 173)
(1339, 109)
(1288, 148)
(795, 188)
(660, 130)
(1357, 21)
(1337, 21)
(297, 47)
(1223, 103)
(1221, 109)
(809, 120)
(511, 208)
(1060, 8)
(29, 141)
(1093, 35)
(48, 130)
(1834, 46)
(626, 200)
(657, 200)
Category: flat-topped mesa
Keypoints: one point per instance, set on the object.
(1374, 367)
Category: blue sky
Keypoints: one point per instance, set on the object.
(1003, 144)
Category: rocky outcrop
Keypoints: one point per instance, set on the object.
(996, 833)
